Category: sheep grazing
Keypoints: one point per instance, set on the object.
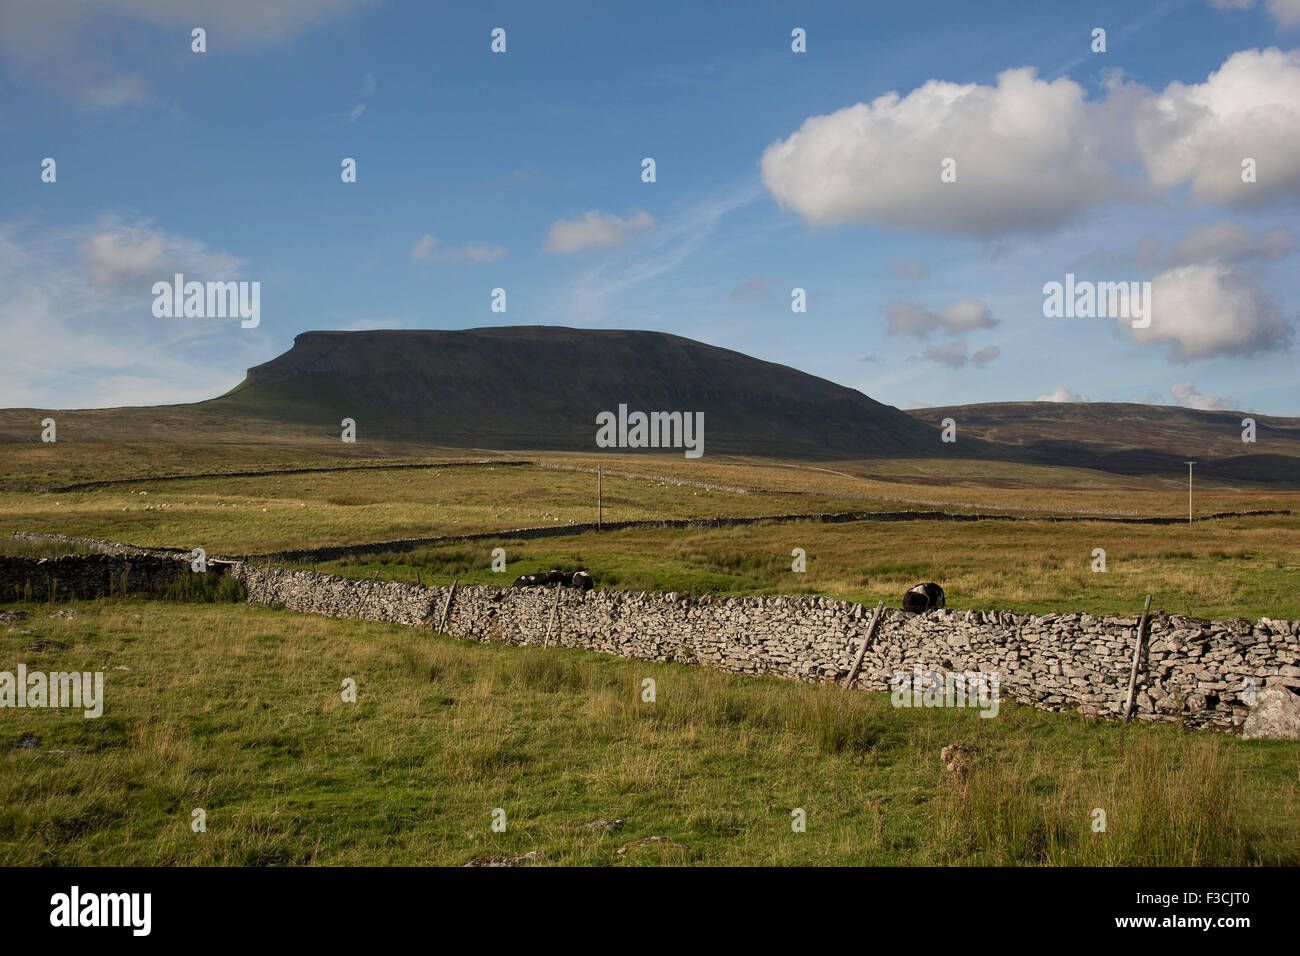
(923, 597)
(578, 579)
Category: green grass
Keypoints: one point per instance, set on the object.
(284, 512)
(1231, 568)
(237, 710)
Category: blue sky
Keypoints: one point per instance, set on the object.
(522, 170)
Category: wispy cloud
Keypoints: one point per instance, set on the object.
(591, 296)
(426, 249)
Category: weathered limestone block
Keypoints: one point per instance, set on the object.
(1276, 715)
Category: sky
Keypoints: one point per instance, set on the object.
(920, 171)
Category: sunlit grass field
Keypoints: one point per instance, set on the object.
(278, 512)
(238, 711)
(1244, 567)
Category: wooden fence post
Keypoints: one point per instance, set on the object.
(554, 607)
(862, 650)
(446, 608)
(1137, 654)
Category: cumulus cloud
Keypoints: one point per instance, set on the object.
(1185, 393)
(954, 355)
(425, 249)
(956, 319)
(1026, 152)
(1208, 310)
(1062, 394)
(61, 43)
(595, 231)
(1226, 242)
(1285, 13)
(1231, 242)
(1200, 133)
(1032, 155)
(123, 254)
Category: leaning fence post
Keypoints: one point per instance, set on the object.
(1137, 654)
(550, 623)
(866, 639)
(446, 608)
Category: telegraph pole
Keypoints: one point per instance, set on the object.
(1189, 489)
(598, 500)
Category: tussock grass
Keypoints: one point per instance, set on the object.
(238, 710)
(1190, 806)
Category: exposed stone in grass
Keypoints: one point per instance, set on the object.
(596, 825)
(507, 860)
(1276, 715)
(661, 841)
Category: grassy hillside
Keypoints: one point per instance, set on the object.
(1132, 439)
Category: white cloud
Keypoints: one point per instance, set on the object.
(1230, 242)
(595, 230)
(1227, 242)
(122, 254)
(1185, 393)
(1026, 151)
(1032, 155)
(956, 319)
(65, 45)
(1285, 13)
(1200, 133)
(1203, 311)
(1062, 394)
(127, 89)
(71, 342)
(953, 355)
(425, 250)
(591, 298)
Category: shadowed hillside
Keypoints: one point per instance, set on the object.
(1132, 439)
(541, 387)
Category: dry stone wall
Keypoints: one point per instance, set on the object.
(1192, 670)
(86, 575)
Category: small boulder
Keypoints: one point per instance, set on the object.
(1276, 716)
(958, 759)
